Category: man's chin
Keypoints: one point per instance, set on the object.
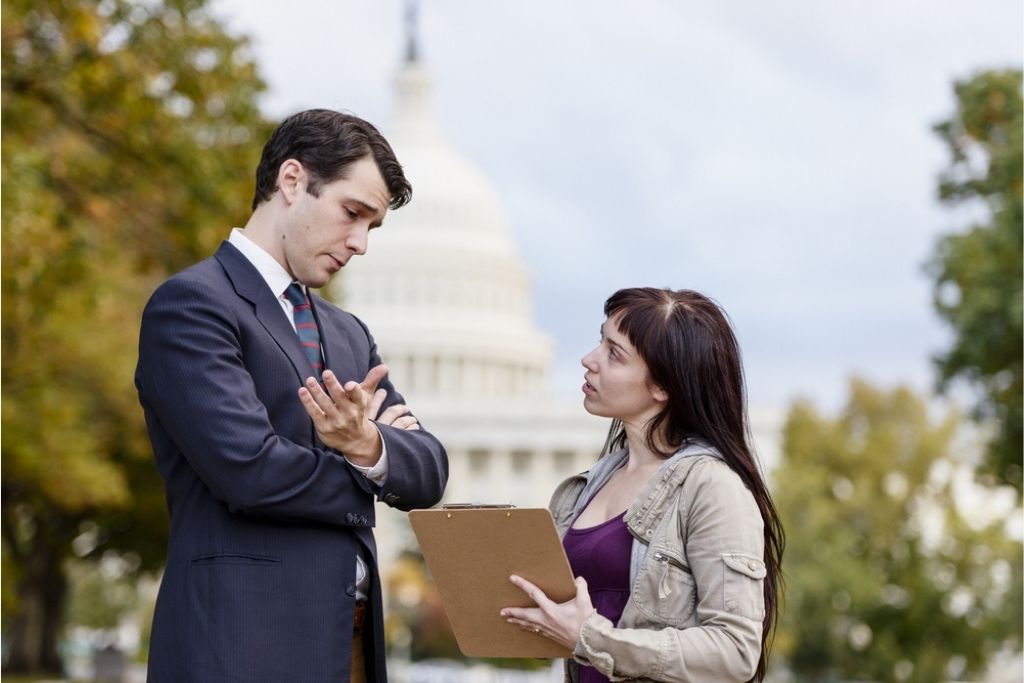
(318, 281)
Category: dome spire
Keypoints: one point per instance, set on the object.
(412, 52)
(412, 86)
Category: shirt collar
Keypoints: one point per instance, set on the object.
(276, 277)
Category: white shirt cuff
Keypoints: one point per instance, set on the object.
(379, 472)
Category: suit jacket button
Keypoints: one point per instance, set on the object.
(350, 589)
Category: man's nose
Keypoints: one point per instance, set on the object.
(357, 240)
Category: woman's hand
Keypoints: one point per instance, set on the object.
(559, 622)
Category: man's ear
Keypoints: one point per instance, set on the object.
(291, 180)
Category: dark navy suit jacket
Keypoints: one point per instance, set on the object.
(265, 519)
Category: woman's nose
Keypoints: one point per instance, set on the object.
(588, 361)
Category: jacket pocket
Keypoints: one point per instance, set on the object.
(235, 600)
(235, 558)
(744, 585)
(665, 590)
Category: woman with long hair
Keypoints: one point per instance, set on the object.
(672, 535)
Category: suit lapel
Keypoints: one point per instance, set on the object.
(251, 286)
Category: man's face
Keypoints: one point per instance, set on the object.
(323, 233)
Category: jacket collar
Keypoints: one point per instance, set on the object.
(649, 504)
(649, 507)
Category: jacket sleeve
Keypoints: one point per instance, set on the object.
(724, 547)
(201, 401)
(417, 462)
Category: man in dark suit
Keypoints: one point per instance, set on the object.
(270, 475)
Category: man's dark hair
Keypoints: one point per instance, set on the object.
(326, 143)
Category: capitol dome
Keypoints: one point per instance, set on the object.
(443, 288)
(447, 296)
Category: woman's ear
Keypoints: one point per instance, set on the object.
(659, 394)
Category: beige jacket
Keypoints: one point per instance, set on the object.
(696, 601)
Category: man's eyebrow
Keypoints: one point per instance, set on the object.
(370, 209)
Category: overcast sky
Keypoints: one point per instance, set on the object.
(776, 156)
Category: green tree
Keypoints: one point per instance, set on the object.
(130, 131)
(978, 273)
(886, 580)
(101, 593)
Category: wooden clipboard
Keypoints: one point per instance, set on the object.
(471, 551)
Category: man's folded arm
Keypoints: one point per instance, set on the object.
(192, 379)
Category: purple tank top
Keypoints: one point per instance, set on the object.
(601, 554)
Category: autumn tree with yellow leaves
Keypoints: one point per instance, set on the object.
(130, 131)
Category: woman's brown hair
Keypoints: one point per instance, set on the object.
(692, 354)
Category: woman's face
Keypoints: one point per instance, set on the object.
(617, 382)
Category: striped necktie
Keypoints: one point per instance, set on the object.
(305, 326)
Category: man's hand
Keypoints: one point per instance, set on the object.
(396, 416)
(341, 415)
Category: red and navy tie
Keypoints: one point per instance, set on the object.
(305, 326)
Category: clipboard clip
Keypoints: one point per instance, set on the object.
(475, 506)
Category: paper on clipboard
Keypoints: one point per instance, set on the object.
(471, 551)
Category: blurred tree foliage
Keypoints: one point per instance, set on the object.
(886, 580)
(102, 592)
(978, 273)
(130, 134)
(416, 620)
